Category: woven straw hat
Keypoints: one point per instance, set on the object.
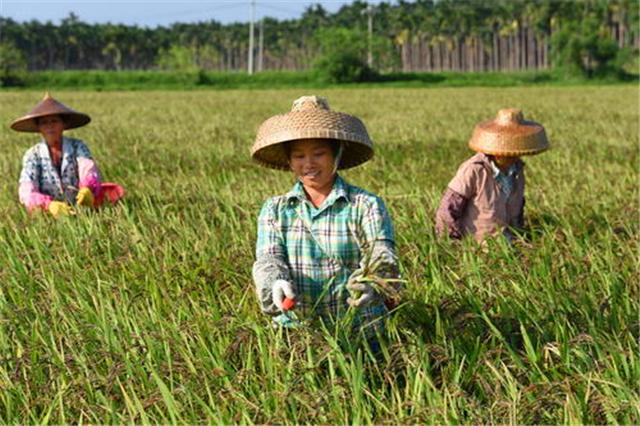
(311, 118)
(49, 106)
(509, 134)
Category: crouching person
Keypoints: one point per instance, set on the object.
(486, 196)
(325, 248)
(59, 173)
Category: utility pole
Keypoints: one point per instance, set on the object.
(261, 45)
(370, 10)
(250, 61)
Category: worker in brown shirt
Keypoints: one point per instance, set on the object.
(486, 196)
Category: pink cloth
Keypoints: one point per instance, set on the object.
(109, 191)
(31, 198)
(89, 175)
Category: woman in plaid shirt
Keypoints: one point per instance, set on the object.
(325, 239)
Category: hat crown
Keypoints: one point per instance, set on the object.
(509, 116)
(50, 106)
(309, 103)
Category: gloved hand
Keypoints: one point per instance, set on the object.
(362, 293)
(279, 291)
(85, 197)
(57, 208)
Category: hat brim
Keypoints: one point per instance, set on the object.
(526, 138)
(268, 148)
(72, 120)
(275, 156)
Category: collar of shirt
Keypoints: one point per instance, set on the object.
(339, 191)
(506, 179)
(511, 171)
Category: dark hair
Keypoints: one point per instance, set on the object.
(334, 144)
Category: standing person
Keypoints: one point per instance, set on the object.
(59, 173)
(324, 240)
(486, 196)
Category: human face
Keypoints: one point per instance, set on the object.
(312, 161)
(504, 163)
(51, 128)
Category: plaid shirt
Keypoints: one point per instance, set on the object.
(319, 249)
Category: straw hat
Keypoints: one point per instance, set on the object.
(311, 118)
(49, 106)
(509, 134)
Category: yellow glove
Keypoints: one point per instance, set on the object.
(84, 197)
(57, 208)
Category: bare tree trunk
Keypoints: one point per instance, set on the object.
(514, 51)
(623, 29)
(510, 52)
(495, 53)
(545, 52)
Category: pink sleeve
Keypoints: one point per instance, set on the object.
(89, 174)
(31, 198)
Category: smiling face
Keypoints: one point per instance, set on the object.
(51, 128)
(312, 161)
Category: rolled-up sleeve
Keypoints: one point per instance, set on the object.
(29, 189)
(270, 264)
(88, 172)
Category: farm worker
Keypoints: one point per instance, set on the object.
(59, 173)
(321, 242)
(486, 196)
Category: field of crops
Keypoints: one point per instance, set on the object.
(146, 312)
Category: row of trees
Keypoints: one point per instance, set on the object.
(588, 36)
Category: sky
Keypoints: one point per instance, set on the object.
(152, 13)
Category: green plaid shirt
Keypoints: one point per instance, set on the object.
(318, 249)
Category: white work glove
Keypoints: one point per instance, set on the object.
(279, 291)
(362, 293)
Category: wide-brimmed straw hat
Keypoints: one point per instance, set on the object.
(311, 118)
(49, 106)
(510, 135)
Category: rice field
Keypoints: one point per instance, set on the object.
(145, 312)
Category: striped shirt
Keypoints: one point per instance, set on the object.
(319, 249)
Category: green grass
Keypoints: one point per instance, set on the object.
(198, 80)
(146, 312)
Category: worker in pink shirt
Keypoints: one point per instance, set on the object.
(486, 196)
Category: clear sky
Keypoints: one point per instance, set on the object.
(152, 13)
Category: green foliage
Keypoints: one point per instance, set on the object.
(177, 58)
(184, 80)
(583, 48)
(146, 313)
(402, 31)
(13, 66)
(342, 56)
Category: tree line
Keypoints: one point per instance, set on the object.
(588, 36)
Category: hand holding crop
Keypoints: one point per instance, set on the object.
(84, 197)
(282, 295)
(58, 208)
(361, 293)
